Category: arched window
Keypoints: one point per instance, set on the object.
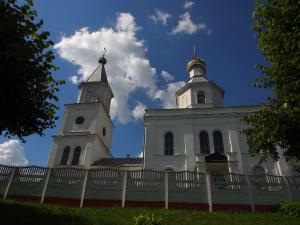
(65, 156)
(218, 142)
(76, 155)
(204, 142)
(200, 97)
(169, 144)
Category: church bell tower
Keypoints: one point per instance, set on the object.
(199, 92)
(86, 130)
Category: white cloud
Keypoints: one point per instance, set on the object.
(160, 16)
(141, 154)
(139, 111)
(126, 23)
(75, 79)
(167, 76)
(128, 69)
(188, 4)
(12, 153)
(168, 96)
(187, 26)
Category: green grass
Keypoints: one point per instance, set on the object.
(17, 213)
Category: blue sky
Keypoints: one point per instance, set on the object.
(144, 38)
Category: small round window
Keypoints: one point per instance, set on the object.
(79, 120)
(103, 131)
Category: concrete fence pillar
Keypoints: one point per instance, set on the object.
(124, 188)
(288, 187)
(249, 186)
(166, 189)
(45, 185)
(208, 188)
(9, 182)
(86, 174)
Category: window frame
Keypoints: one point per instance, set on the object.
(201, 96)
(76, 156)
(204, 144)
(65, 156)
(218, 142)
(169, 143)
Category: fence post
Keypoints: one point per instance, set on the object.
(124, 188)
(166, 189)
(86, 174)
(288, 186)
(250, 192)
(9, 182)
(208, 188)
(45, 185)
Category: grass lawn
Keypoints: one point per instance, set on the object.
(18, 213)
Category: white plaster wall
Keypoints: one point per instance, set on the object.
(87, 111)
(61, 143)
(95, 119)
(104, 121)
(213, 96)
(94, 92)
(53, 151)
(154, 145)
(217, 97)
(96, 150)
(250, 162)
(88, 135)
(184, 100)
(186, 131)
(203, 87)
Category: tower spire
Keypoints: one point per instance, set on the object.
(103, 61)
(99, 73)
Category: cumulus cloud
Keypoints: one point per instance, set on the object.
(167, 76)
(188, 4)
(167, 96)
(12, 153)
(141, 154)
(160, 16)
(139, 111)
(187, 26)
(128, 69)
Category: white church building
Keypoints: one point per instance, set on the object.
(201, 134)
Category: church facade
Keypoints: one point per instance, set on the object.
(201, 134)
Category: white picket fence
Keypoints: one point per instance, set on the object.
(191, 190)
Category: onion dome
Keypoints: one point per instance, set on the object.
(197, 64)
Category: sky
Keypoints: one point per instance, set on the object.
(148, 46)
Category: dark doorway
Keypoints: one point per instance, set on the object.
(216, 163)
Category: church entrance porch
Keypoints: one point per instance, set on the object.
(216, 163)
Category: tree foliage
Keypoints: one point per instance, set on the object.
(27, 88)
(278, 121)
